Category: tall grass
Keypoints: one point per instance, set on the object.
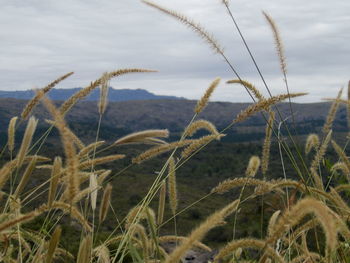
(76, 187)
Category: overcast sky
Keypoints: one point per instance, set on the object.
(41, 40)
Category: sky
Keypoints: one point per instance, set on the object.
(42, 40)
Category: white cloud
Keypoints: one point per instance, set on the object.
(41, 40)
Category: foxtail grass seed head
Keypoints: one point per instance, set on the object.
(101, 160)
(331, 114)
(105, 202)
(173, 200)
(155, 151)
(73, 183)
(202, 103)
(39, 95)
(103, 254)
(53, 244)
(272, 221)
(161, 203)
(91, 147)
(342, 156)
(229, 184)
(25, 177)
(253, 166)
(141, 136)
(321, 151)
(68, 104)
(323, 214)
(55, 177)
(264, 105)
(84, 253)
(267, 143)
(93, 194)
(26, 141)
(312, 141)
(11, 134)
(232, 246)
(197, 234)
(197, 28)
(342, 167)
(201, 124)
(278, 42)
(102, 104)
(196, 144)
(248, 86)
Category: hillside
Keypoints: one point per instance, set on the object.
(121, 118)
(113, 94)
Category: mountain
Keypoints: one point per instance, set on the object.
(125, 117)
(113, 94)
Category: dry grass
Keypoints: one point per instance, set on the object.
(313, 211)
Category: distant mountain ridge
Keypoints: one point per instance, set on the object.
(113, 94)
(121, 118)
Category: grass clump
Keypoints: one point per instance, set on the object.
(310, 224)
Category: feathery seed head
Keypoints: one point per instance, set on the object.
(11, 134)
(253, 166)
(202, 103)
(312, 141)
(105, 202)
(27, 140)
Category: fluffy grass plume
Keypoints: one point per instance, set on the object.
(105, 202)
(142, 136)
(55, 238)
(203, 102)
(278, 42)
(321, 151)
(155, 151)
(102, 103)
(89, 148)
(253, 166)
(312, 141)
(26, 141)
(232, 246)
(172, 189)
(73, 183)
(101, 160)
(297, 212)
(86, 91)
(39, 95)
(267, 143)
(55, 173)
(71, 134)
(93, 185)
(331, 114)
(342, 156)
(196, 144)
(84, 253)
(11, 134)
(249, 86)
(25, 177)
(264, 105)
(229, 184)
(191, 24)
(198, 234)
(161, 203)
(201, 124)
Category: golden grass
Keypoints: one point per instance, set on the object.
(315, 203)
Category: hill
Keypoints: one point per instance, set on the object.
(121, 118)
(113, 94)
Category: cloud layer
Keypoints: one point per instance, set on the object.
(41, 40)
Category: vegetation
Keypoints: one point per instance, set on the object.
(62, 205)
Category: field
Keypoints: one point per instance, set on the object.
(82, 182)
